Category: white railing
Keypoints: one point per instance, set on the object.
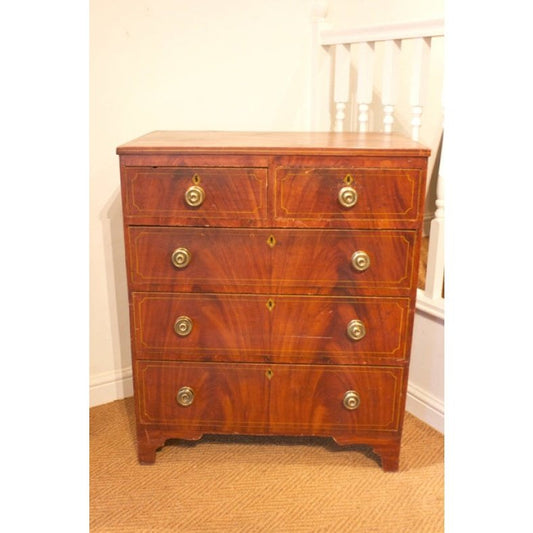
(352, 102)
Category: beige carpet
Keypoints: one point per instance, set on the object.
(255, 484)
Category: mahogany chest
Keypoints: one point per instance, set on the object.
(272, 284)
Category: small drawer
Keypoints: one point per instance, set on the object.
(201, 196)
(224, 327)
(354, 197)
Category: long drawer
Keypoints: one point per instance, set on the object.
(224, 327)
(272, 260)
(259, 398)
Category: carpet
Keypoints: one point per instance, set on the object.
(261, 484)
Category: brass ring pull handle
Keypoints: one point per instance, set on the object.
(351, 400)
(194, 195)
(356, 330)
(347, 197)
(185, 396)
(360, 260)
(181, 257)
(183, 326)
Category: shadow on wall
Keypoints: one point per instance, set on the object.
(115, 267)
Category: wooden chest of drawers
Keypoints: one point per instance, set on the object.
(272, 282)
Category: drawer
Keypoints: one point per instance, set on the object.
(222, 327)
(282, 399)
(276, 260)
(200, 196)
(354, 197)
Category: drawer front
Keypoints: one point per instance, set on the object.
(225, 398)
(231, 196)
(278, 328)
(372, 197)
(277, 260)
(283, 399)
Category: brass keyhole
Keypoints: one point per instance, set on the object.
(271, 241)
(270, 304)
(348, 179)
(196, 179)
(269, 373)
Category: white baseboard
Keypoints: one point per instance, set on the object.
(110, 386)
(425, 407)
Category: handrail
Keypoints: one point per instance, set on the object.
(384, 32)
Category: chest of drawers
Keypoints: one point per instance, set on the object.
(272, 283)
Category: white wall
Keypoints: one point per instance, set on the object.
(344, 13)
(176, 64)
(196, 64)
(425, 397)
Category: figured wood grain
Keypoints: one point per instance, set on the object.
(279, 399)
(314, 329)
(226, 398)
(320, 262)
(274, 260)
(386, 197)
(294, 329)
(233, 196)
(222, 260)
(223, 325)
(309, 399)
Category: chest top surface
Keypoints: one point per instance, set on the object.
(283, 143)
